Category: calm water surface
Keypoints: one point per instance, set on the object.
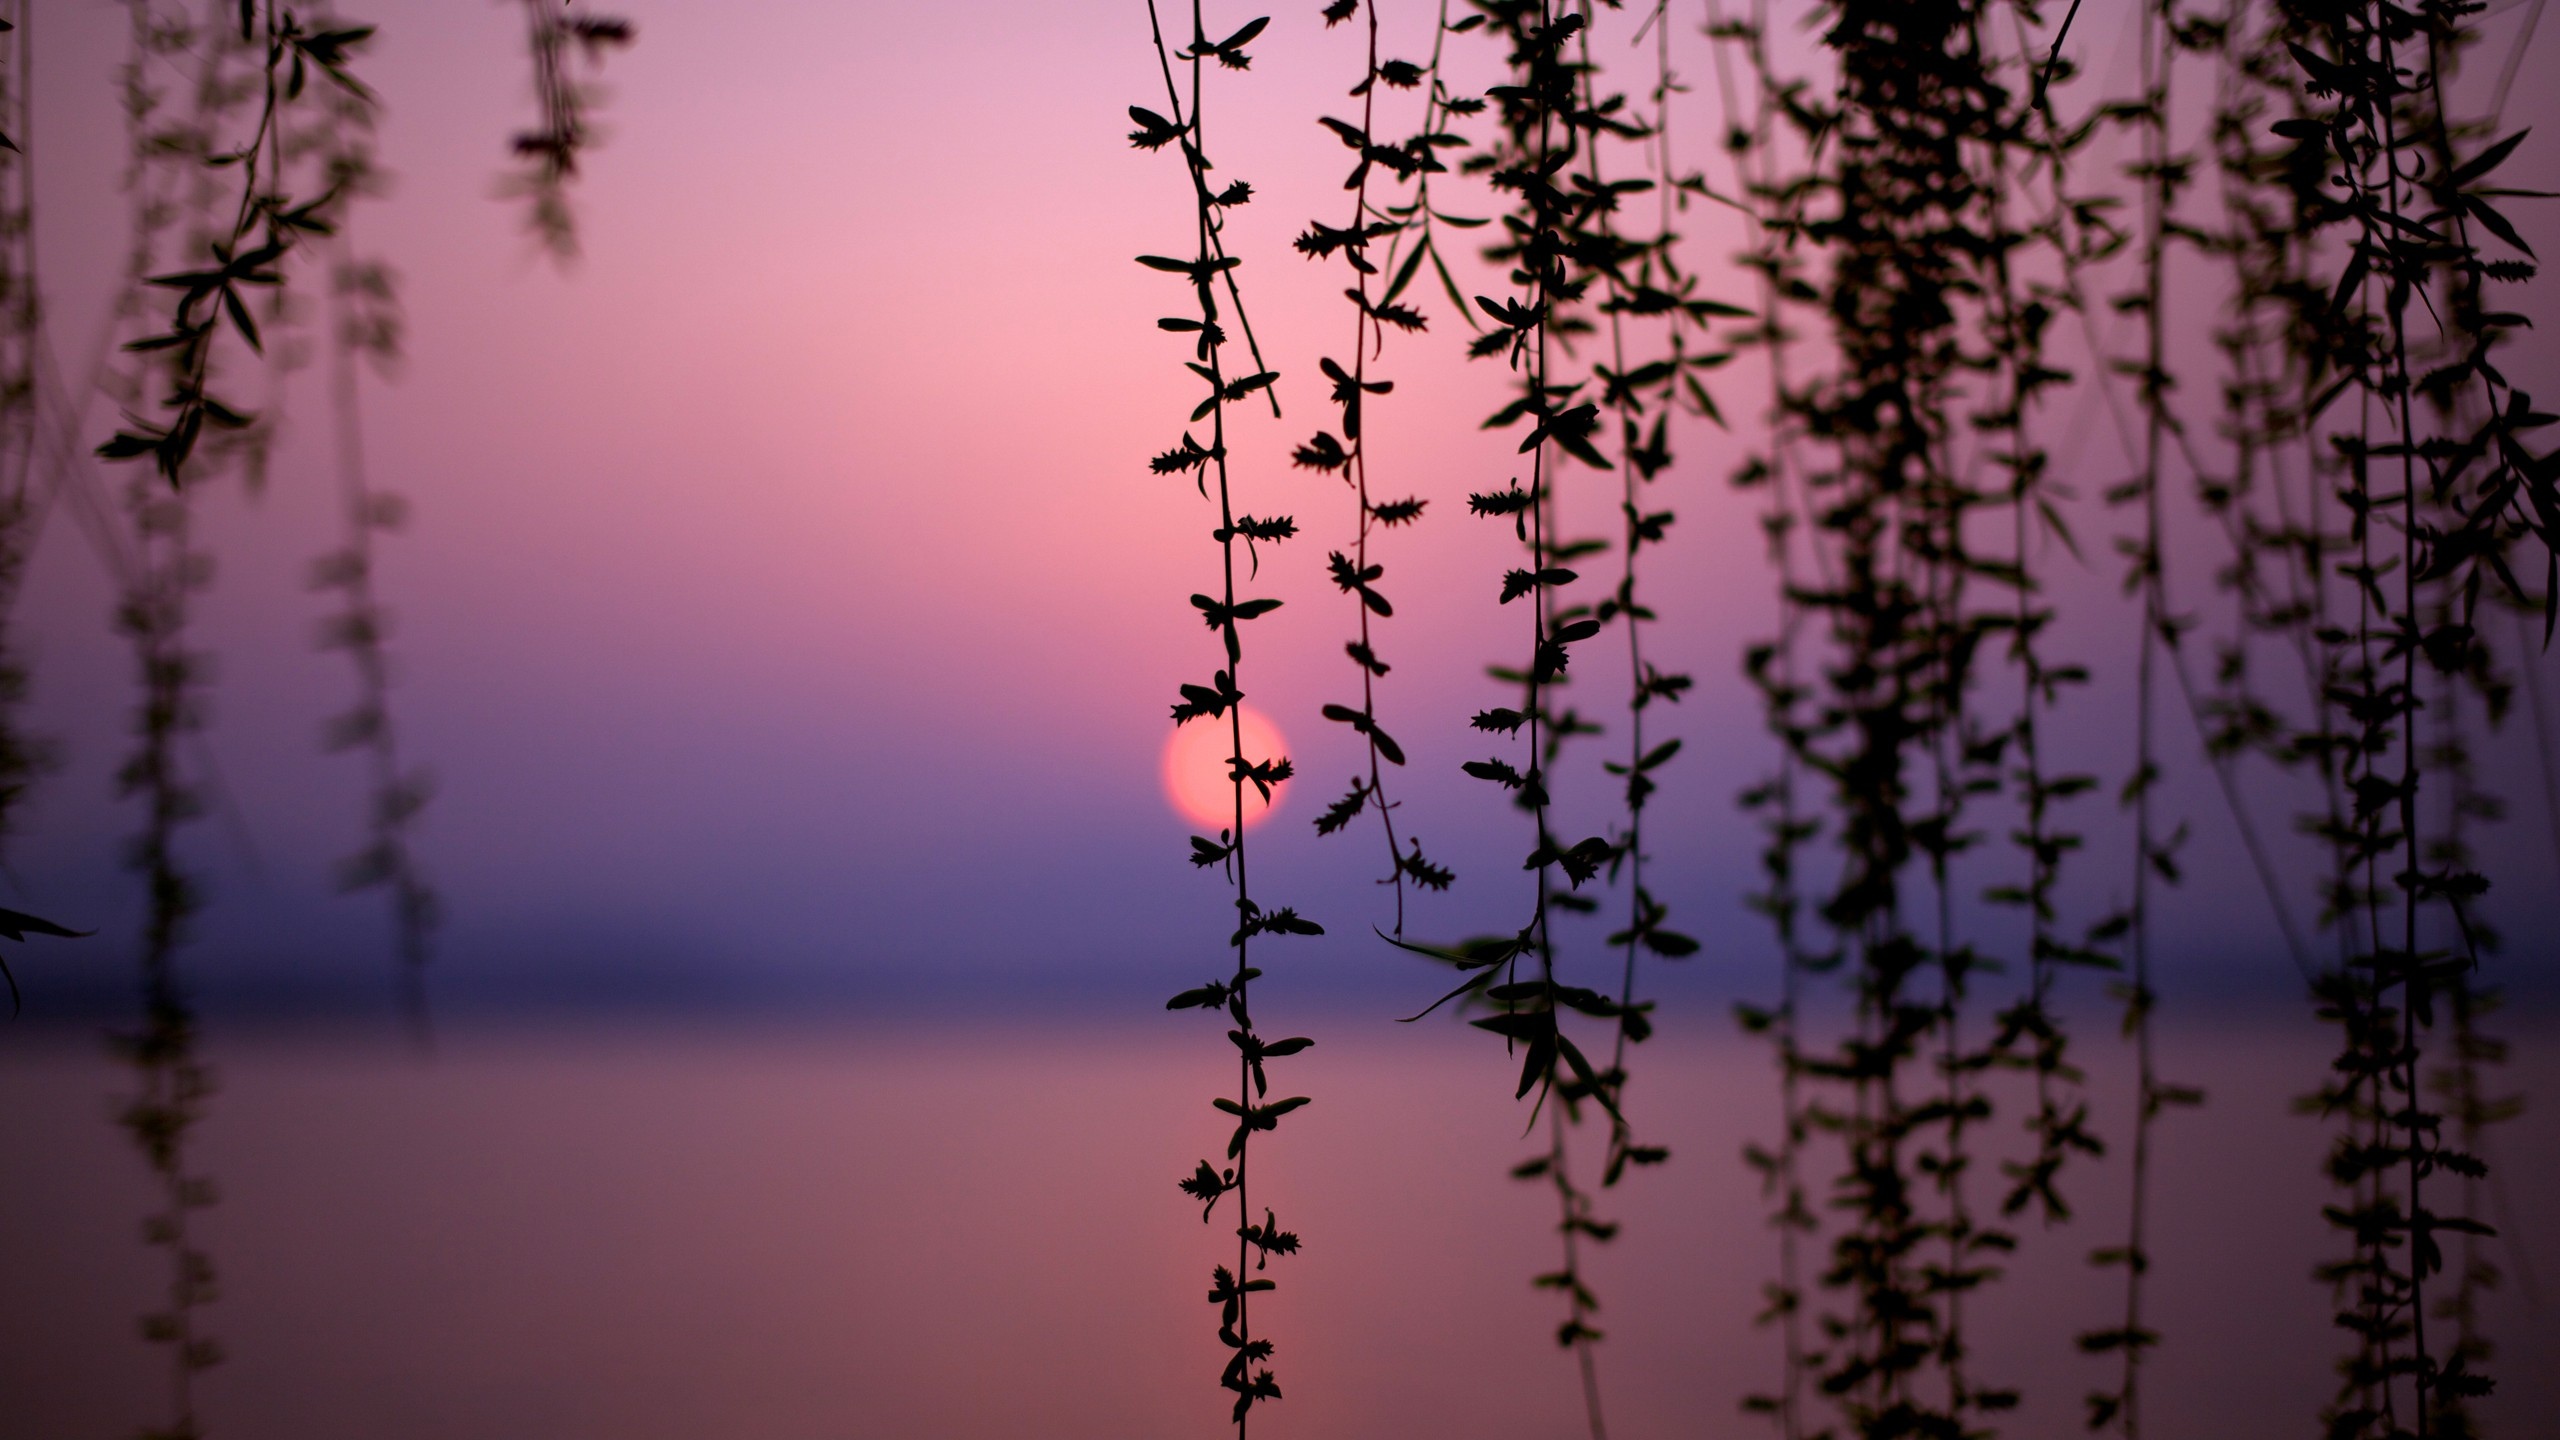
(926, 1229)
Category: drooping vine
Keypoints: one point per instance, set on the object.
(1416, 237)
(1642, 280)
(1552, 237)
(1245, 1373)
(1353, 573)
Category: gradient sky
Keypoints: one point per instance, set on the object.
(788, 604)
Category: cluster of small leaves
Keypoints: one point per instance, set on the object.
(153, 616)
(1353, 573)
(548, 154)
(1415, 240)
(246, 251)
(1245, 1375)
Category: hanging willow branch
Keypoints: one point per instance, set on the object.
(1554, 242)
(1642, 280)
(1372, 315)
(1232, 1291)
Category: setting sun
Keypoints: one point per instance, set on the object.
(1195, 769)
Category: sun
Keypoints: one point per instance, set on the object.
(1195, 769)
